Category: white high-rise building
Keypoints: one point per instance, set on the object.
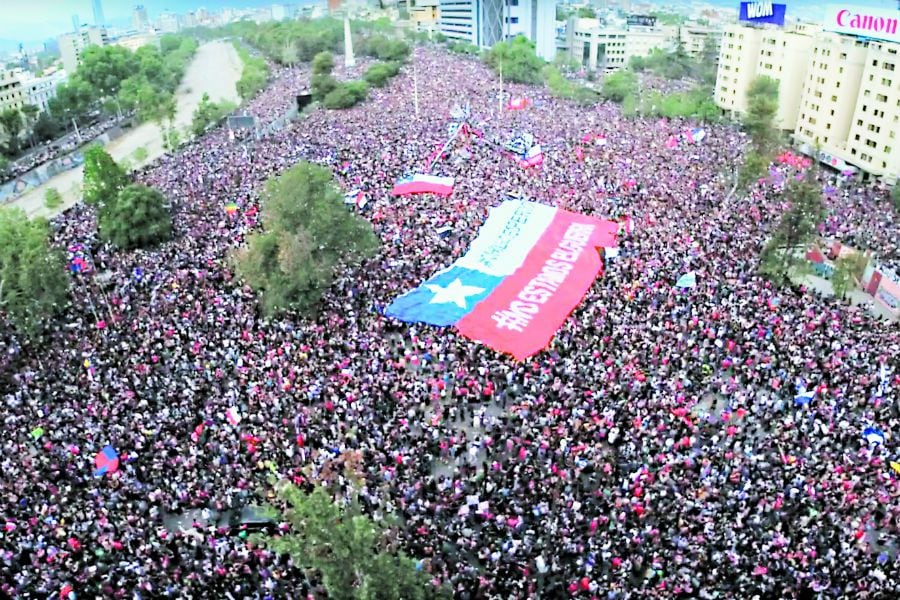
(139, 20)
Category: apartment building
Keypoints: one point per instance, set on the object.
(839, 84)
(12, 94)
(738, 60)
(873, 138)
(71, 45)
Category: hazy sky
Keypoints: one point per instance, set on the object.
(34, 20)
(40, 19)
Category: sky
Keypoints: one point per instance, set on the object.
(36, 20)
(33, 20)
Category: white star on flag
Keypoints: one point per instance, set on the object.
(456, 293)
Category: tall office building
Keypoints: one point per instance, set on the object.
(99, 21)
(76, 23)
(486, 22)
(139, 20)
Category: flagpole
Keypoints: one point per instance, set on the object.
(415, 85)
(500, 103)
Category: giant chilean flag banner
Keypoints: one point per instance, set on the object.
(523, 275)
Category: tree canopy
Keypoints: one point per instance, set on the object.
(307, 232)
(517, 60)
(797, 227)
(103, 177)
(619, 85)
(348, 551)
(762, 104)
(346, 95)
(33, 280)
(380, 73)
(210, 113)
(137, 218)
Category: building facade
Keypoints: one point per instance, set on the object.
(12, 94)
(609, 47)
(71, 45)
(39, 91)
(486, 22)
(99, 19)
(140, 22)
(839, 89)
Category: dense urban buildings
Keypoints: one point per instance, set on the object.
(839, 91)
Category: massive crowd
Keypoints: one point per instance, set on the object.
(654, 450)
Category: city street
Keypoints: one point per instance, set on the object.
(214, 70)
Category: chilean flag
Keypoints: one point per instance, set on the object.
(356, 198)
(533, 157)
(529, 267)
(423, 184)
(106, 462)
(517, 104)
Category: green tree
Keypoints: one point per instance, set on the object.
(33, 281)
(797, 227)
(104, 68)
(619, 85)
(4, 166)
(323, 63)
(348, 551)
(753, 168)
(586, 12)
(137, 218)
(378, 74)
(762, 104)
(848, 271)
(321, 85)
(895, 196)
(517, 60)
(103, 178)
(46, 127)
(346, 95)
(307, 233)
(210, 113)
(566, 89)
(52, 198)
(12, 123)
(73, 100)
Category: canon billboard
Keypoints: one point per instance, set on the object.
(762, 12)
(864, 21)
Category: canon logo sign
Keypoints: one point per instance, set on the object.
(863, 21)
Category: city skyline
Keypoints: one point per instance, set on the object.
(37, 20)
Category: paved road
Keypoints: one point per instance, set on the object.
(215, 70)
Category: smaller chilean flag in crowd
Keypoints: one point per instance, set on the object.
(529, 267)
(533, 157)
(106, 462)
(423, 184)
(517, 104)
(356, 198)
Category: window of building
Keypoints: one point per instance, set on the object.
(864, 156)
(881, 98)
(834, 98)
(886, 81)
(843, 56)
(887, 149)
(888, 66)
(853, 151)
(874, 63)
(856, 137)
(871, 144)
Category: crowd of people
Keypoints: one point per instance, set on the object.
(654, 450)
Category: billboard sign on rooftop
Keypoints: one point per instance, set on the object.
(762, 12)
(863, 21)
